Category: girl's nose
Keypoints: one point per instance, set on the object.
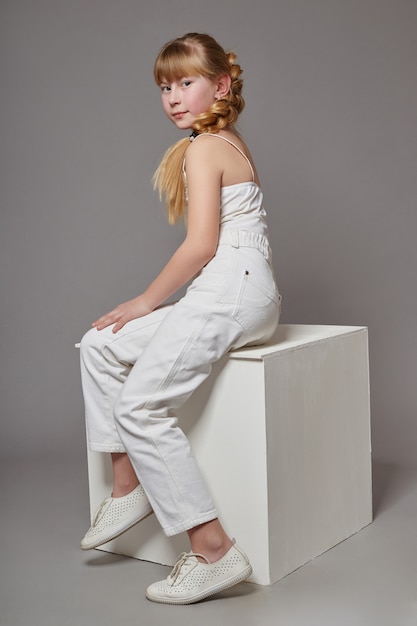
(173, 96)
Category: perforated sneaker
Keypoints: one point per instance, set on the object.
(191, 580)
(115, 516)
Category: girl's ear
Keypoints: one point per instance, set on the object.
(223, 85)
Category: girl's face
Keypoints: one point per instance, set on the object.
(188, 97)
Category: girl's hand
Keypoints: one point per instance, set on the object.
(125, 312)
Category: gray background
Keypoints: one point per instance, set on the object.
(331, 120)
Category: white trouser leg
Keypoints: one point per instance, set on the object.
(176, 361)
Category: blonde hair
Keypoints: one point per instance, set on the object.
(194, 54)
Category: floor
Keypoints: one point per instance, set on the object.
(45, 580)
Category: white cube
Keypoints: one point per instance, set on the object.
(282, 434)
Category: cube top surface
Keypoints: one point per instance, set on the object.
(292, 336)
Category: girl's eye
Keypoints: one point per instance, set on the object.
(165, 88)
(186, 83)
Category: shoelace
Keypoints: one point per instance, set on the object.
(182, 560)
(99, 512)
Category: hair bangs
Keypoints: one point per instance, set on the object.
(178, 60)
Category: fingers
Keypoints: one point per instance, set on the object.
(117, 317)
(118, 326)
(122, 314)
(107, 320)
(119, 321)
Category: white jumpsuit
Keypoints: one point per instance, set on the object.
(135, 380)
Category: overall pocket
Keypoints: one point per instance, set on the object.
(258, 305)
(252, 294)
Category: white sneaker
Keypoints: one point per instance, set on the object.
(191, 580)
(115, 516)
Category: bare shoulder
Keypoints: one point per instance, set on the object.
(202, 145)
(217, 153)
(209, 146)
(204, 152)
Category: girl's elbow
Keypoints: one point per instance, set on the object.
(208, 253)
(203, 252)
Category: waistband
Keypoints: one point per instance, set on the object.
(246, 239)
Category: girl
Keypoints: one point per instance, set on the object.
(141, 361)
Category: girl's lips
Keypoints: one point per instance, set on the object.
(179, 114)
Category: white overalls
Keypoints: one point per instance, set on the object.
(135, 380)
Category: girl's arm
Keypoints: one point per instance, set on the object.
(199, 246)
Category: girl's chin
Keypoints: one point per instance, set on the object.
(182, 125)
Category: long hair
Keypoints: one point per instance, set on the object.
(194, 54)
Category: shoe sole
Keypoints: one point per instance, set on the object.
(116, 533)
(225, 584)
